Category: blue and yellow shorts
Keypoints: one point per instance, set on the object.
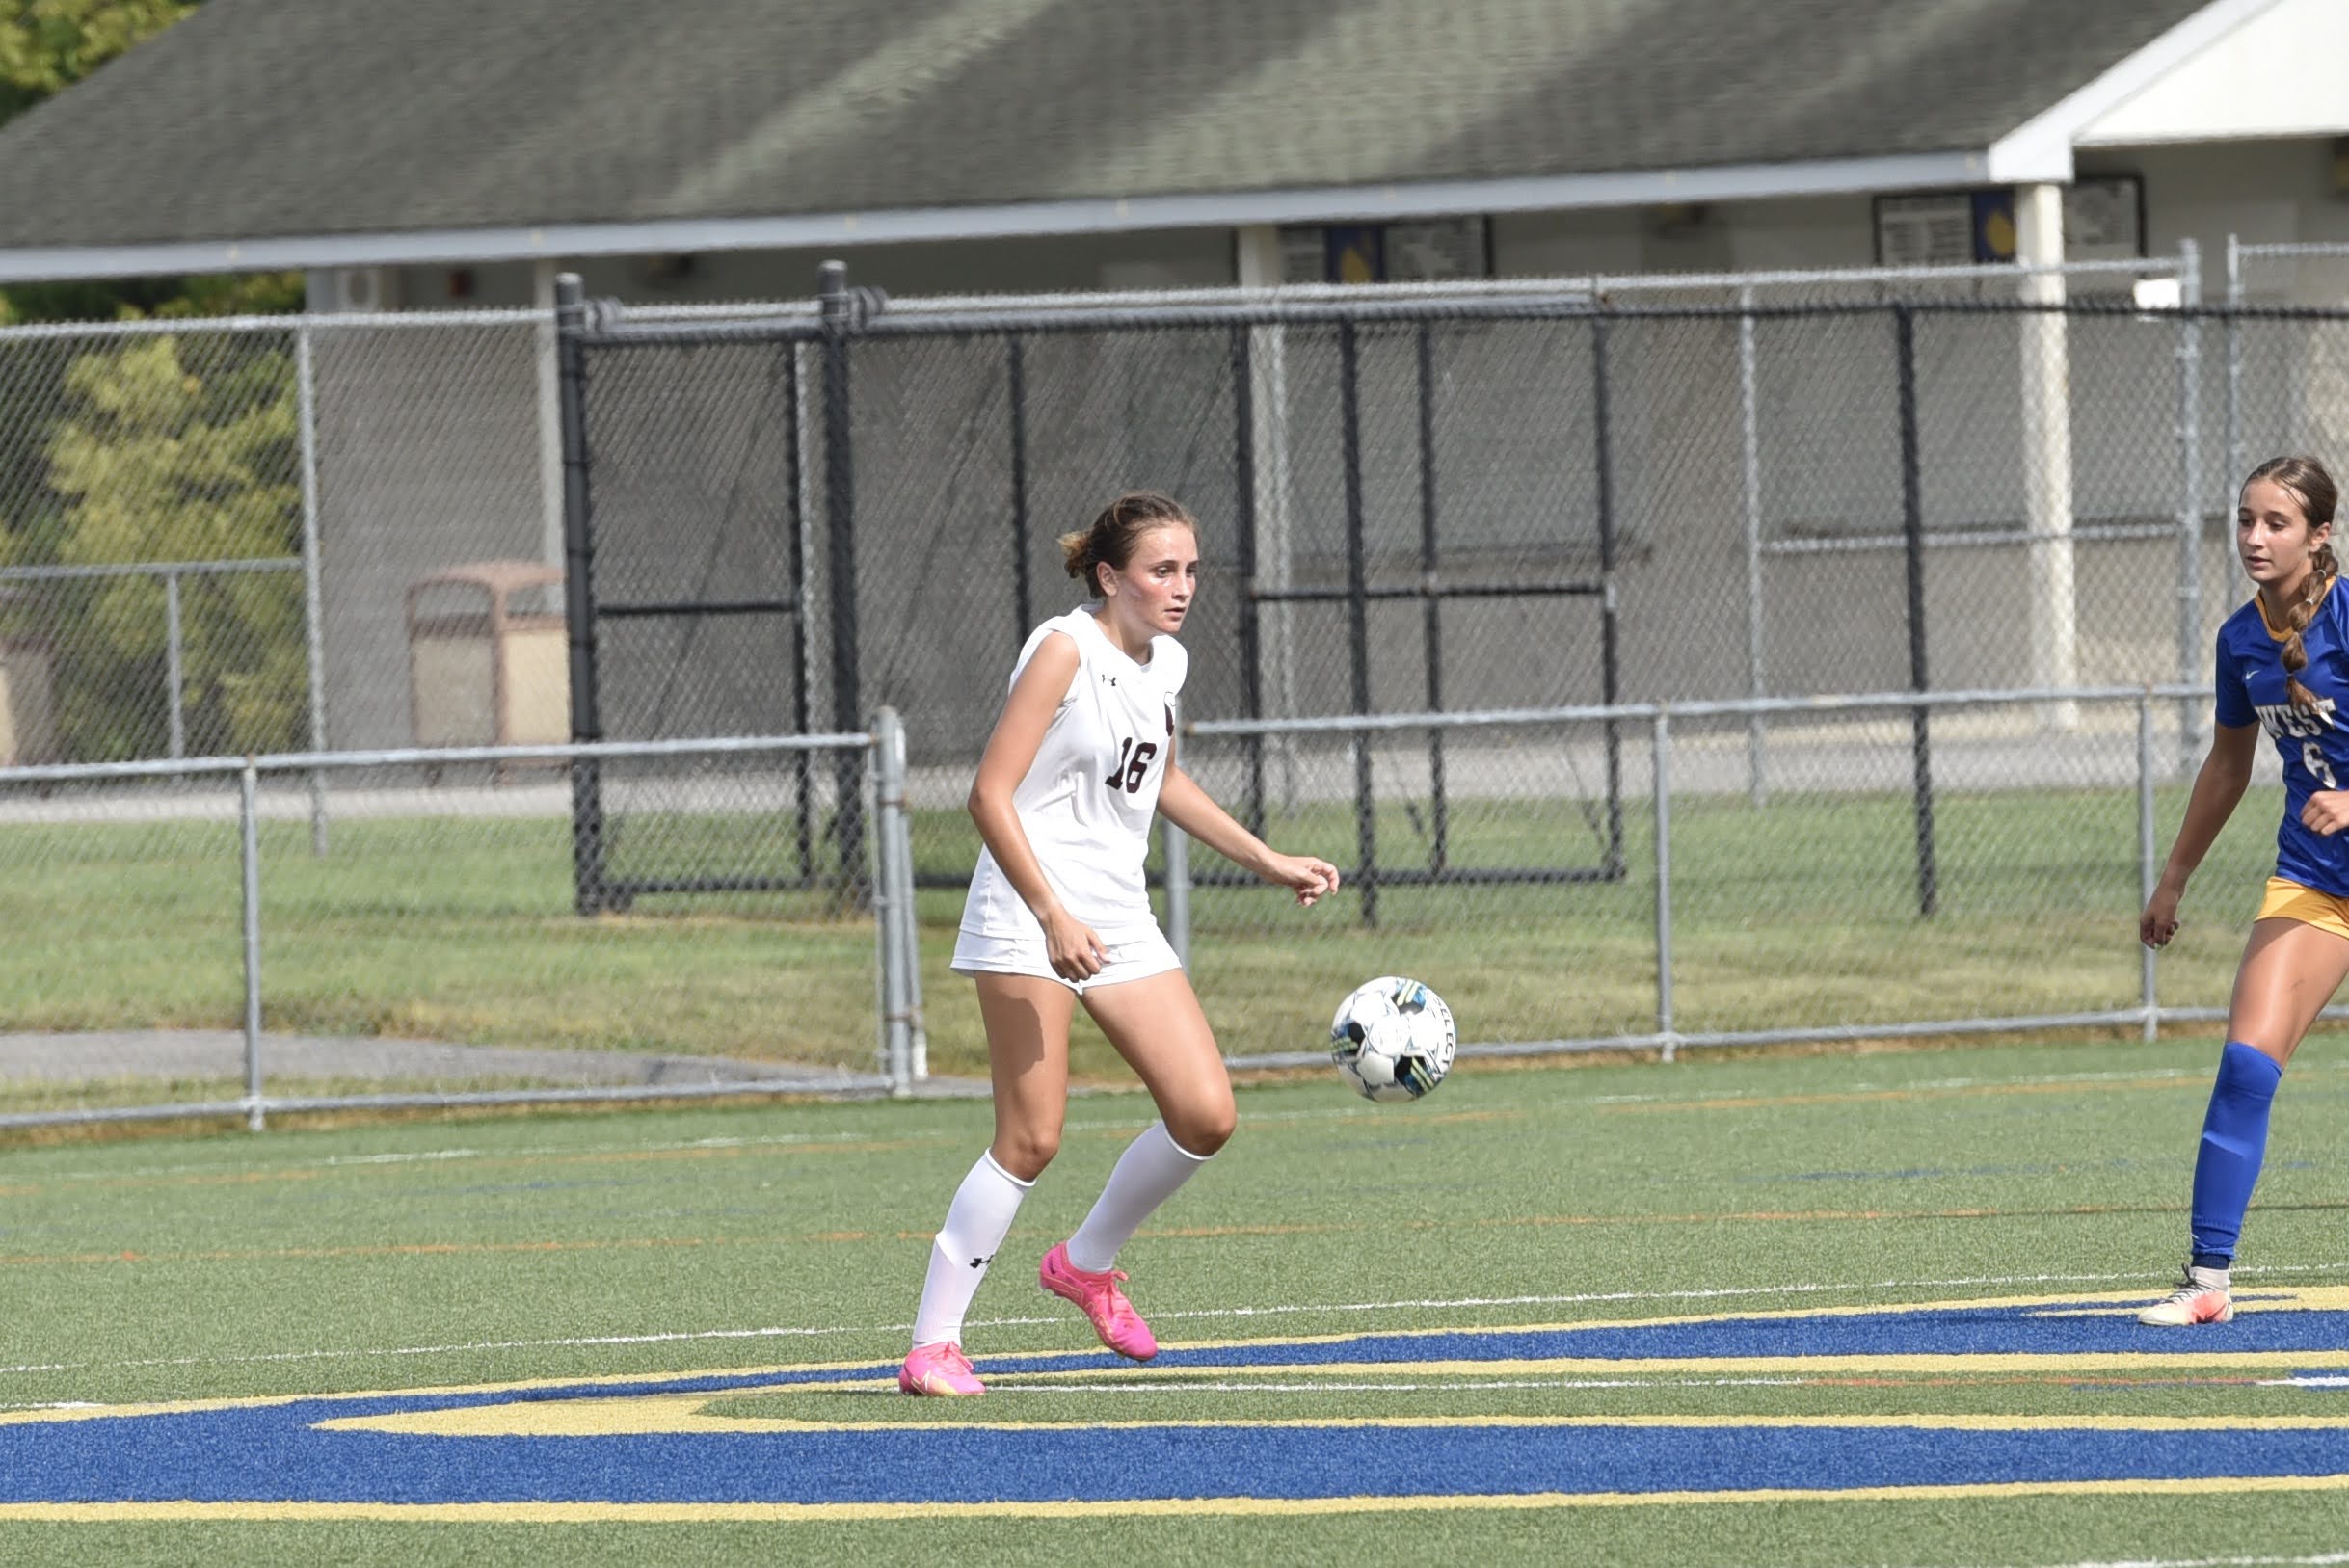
(2288, 900)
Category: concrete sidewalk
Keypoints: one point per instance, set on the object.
(167, 1054)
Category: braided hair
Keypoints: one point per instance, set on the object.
(2313, 488)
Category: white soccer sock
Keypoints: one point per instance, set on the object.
(977, 1220)
(1148, 1173)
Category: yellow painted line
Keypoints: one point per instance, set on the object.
(2183, 1349)
(673, 1412)
(1796, 1367)
(258, 1402)
(693, 1513)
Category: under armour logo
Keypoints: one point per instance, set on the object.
(1111, 679)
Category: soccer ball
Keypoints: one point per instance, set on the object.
(1392, 1038)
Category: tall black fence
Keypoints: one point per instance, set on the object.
(1476, 502)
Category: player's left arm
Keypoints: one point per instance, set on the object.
(1183, 803)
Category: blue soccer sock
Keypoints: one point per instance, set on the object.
(2235, 1140)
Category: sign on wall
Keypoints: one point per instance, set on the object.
(1412, 250)
(2103, 221)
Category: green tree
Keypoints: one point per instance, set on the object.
(47, 45)
(154, 460)
(132, 455)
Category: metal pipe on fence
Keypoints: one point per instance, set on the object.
(313, 603)
(175, 675)
(909, 944)
(1357, 613)
(1432, 615)
(1015, 387)
(797, 471)
(1912, 517)
(2234, 360)
(1602, 462)
(1663, 765)
(837, 314)
(2190, 489)
(1750, 471)
(2144, 857)
(588, 890)
(1251, 614)
(248, 860)
(891, 891)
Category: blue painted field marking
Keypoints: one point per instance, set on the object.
(638, 1443)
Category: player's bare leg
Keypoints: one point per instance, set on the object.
(1156, 1027)
(1027, 1024)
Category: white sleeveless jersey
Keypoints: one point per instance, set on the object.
(1088, 800)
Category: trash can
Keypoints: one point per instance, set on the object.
(28, 713)
(489, 658)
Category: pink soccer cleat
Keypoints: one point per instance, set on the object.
(1121, 1328)
(940, 1369)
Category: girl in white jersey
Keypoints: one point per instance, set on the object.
(1081, 760)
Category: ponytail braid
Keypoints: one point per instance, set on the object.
(2308, 480)
(2303, 611)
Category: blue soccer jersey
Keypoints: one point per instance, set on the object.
(2313, 743)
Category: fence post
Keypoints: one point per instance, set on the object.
(313, 607)
(839, 310)
(174, 672)
(2234, 360)
(1015, 387)
(2190, 488)
(1912, 523)
(886, 766)
(1663, 766)
(1432, 605)
(1602, 458)
(1756, 685)
(1251, 610)
(2144, 857)
(249, 857)
(803, 763)
(1177, 889)
(909, 924)
(588, 890)
(1357, 614)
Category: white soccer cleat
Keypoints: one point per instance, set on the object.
(2202, 1296)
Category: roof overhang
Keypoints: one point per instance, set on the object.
(2040, 149)
(1731, 182)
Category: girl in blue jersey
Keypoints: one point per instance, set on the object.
(1080, 761)
(2282, 666)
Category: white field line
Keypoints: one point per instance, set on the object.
(1226, 1313)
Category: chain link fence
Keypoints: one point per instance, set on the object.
(1925, 863)
(176, 933)
(1663, 507)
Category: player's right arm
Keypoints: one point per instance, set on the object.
(1070, 945)
(2225, 773)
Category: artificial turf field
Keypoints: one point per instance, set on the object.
(1834, 1309)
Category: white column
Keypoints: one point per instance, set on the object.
(2047, 455)
(550, 420)
(1259, 253)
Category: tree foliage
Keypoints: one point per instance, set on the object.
(47, 45)
(149, 449)
(160, 459)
